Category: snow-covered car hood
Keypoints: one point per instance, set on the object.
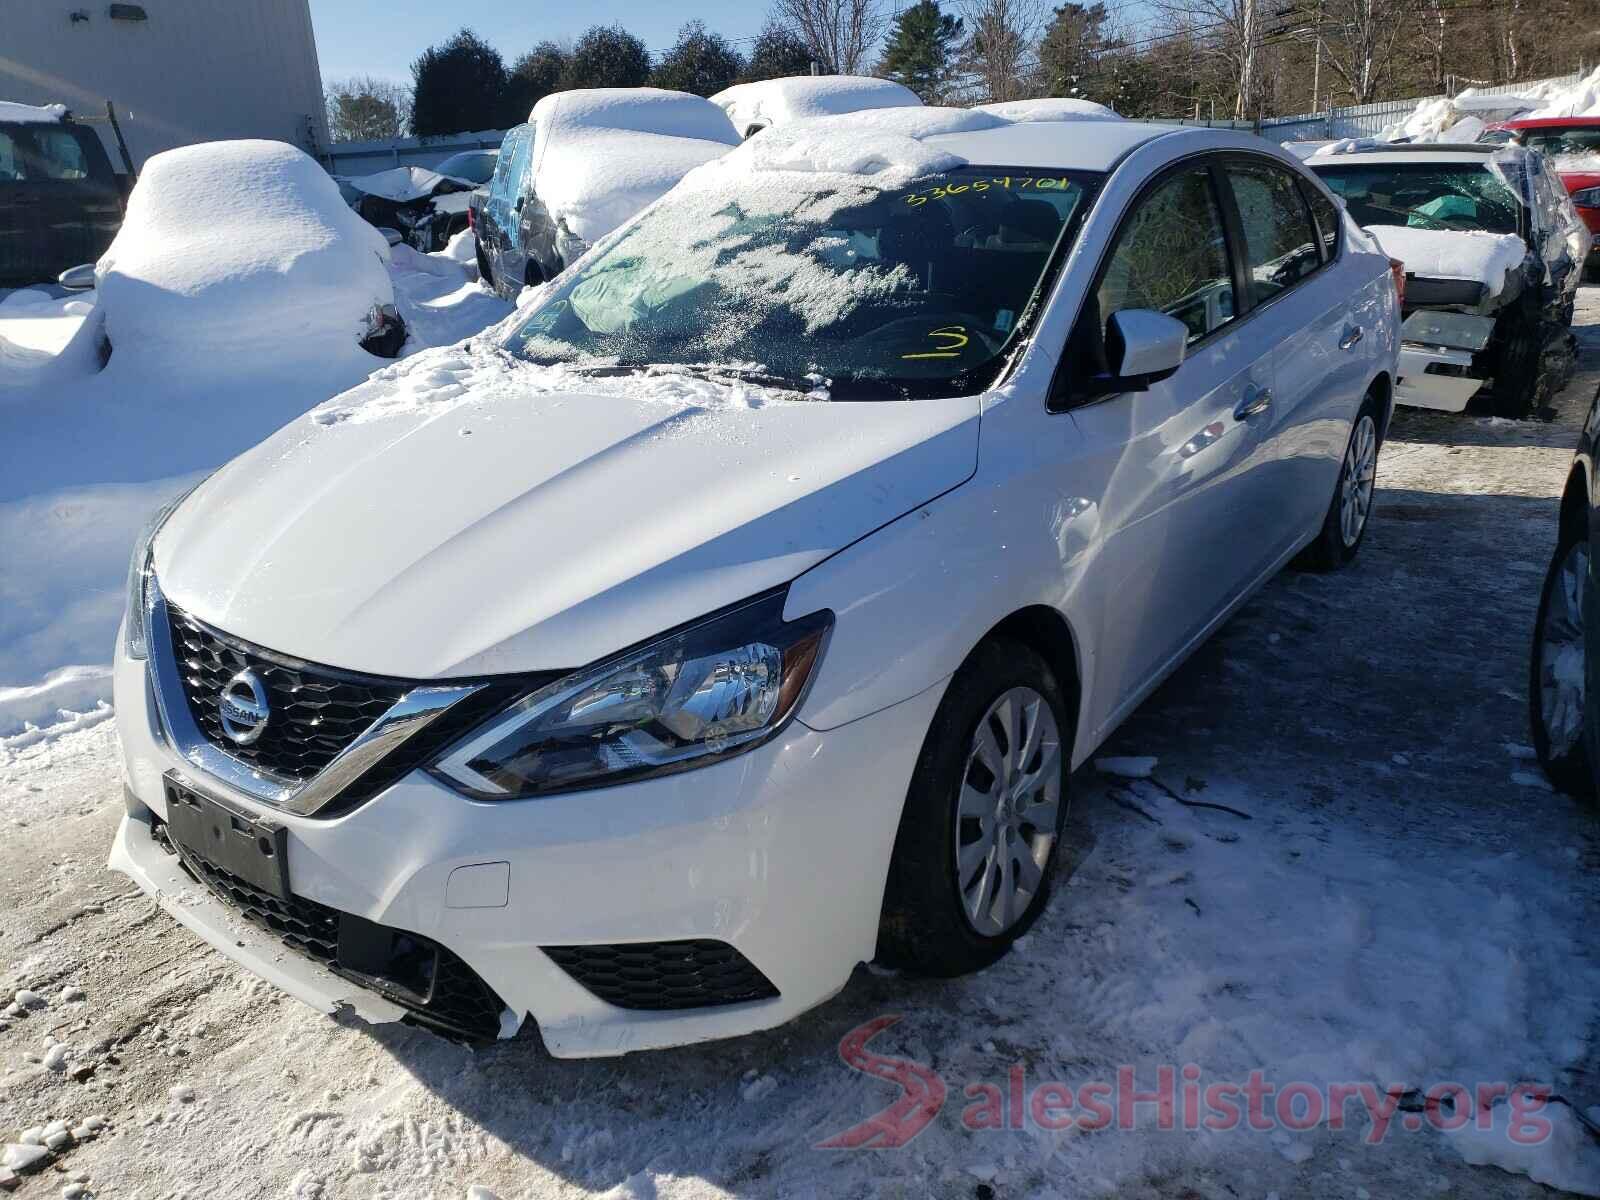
(456, 515)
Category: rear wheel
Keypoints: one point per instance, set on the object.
(1557, 686)
(1350, 509)
(485, 275)
(983, 817)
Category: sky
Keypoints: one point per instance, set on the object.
(382, 37)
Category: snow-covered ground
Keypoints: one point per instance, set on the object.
(1341, 868)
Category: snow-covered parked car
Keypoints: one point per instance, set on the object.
(426, 205)
(753, 107)
(60, 201)
(585, 162)
(643, 669)
(279, 261)
(1492, 250)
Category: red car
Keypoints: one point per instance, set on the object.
(1573, 146)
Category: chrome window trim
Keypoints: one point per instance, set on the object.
(408, 716)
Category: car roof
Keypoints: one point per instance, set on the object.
(1073, 145)
(1547, 122)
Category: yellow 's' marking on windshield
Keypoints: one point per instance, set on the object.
(955, 340)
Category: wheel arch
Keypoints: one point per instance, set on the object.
(1382, 386)
(1049, 634)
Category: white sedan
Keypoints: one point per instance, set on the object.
(739, 614)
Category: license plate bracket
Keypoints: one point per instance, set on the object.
(256, 851)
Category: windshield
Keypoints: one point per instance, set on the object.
(906, 292)
(1425, 195)
(475, 166)
(1578, 145)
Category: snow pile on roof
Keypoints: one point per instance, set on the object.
(603, 154)
(1051, 108)
(1453, 254)
(401, 184)
(1581, 99)
(885, 141)
(241, 249)
(772, 102)
(29, 114)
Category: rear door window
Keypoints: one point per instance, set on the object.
(1280, 241)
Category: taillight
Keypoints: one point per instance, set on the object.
(1398, 270)
(472, 221)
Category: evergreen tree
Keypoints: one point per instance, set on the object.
(607, 56)
(535, 75)
(459, 85)
(777, 53)
(1069, 54)
(700, 62)
(919, 50)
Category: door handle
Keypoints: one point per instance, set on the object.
(1256, 400)
(1352, 335)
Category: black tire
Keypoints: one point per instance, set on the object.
(485, 275)
(1565, 758)
(1515, 394)
(925, 927)
(1331, 549)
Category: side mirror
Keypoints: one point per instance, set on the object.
(77, 279)
(393, 236)
(1144, 347)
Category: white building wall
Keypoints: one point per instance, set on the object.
(193, 71)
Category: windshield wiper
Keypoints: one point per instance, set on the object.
(715, 372)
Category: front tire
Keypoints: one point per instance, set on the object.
(1350, 510)
(983, 817)
(1557, 683)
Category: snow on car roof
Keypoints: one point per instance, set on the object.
(1051, 108)
(1371, 150)
(771, 102)
(602, 154)
(16, 113)
(912, 141)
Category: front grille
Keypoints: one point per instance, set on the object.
(432, 984)
(699, 973)
(315, 711)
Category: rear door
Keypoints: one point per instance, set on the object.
(1300, 298)
(19, 238)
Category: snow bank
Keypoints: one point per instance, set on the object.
(1566, 1158)
(241, 251)
(782, 101)
(29, 114)
(1453, 254)
(1581, 99)
(1051, 109)
(603, 154)
(1443, 119)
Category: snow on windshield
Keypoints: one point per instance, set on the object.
(772, 102)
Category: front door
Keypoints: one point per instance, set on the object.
(1170, 464)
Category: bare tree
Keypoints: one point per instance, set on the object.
(839, 33)
(1002, 45)
(364, 109)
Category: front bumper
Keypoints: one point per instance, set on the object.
(780, 853)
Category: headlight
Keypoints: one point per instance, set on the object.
(1587, 197)
(140, 573)
(712, 690)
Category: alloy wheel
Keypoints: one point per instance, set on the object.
(1007, 812)
(1561, 653)
(1356, 481)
